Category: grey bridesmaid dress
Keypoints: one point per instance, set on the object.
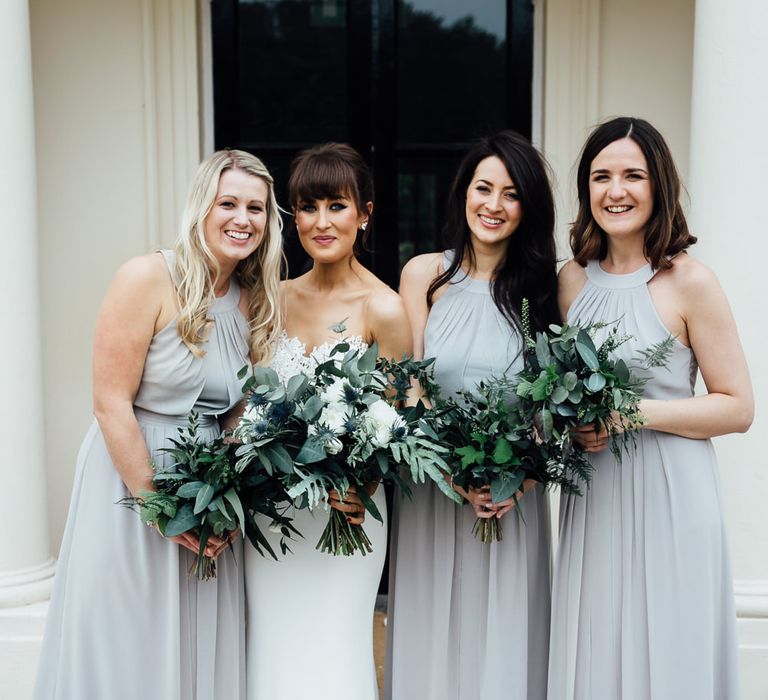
(642, 602)
(467, 620)
(125, 619)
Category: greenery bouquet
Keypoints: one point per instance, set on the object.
(338, 429)
(204, 491)
(571, 379)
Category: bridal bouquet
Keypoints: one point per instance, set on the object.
(569, 380)
(202, 491)
(336, 430)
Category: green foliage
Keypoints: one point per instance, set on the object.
(569, 381)
(202, 491)
(316, 434)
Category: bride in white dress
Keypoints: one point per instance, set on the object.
(310, 615)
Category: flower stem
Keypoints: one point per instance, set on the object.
(488, 530)
(341, 537)
(203, 567)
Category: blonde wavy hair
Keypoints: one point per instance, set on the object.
(196, 269)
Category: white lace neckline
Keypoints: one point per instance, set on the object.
(291, 357)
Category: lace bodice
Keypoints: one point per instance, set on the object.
(291, 356)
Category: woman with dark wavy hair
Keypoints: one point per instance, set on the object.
(469, 620)
(642, 602)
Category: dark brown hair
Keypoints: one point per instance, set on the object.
(666, 233)
(529, 268)
(330, 171)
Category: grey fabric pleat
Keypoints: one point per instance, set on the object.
(125, 620)
(467, 620)
(642, 604)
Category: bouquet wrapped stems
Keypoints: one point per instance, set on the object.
(203, 566)
(488, 530)
(342, 537)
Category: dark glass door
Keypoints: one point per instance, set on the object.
(408, 84)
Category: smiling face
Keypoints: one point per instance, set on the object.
(234, 227)
(620, 191)
(328, 227)
(493, 209)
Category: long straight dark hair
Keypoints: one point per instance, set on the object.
(529, 268)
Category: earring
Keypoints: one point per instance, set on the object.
(363, 226)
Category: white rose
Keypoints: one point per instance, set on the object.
(334, 392)
(380, 420)
(334, 417)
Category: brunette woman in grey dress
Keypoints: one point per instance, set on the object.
(469, 620)
(125, 619)
(642, 605)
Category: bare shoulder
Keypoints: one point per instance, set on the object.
(422, 269)
(570, 280)
(572, 274)
(692, 274)
(145, 275)
(385, 306)
(690, 281)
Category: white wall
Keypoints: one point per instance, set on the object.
(606, 58)
(646, 59)
(93, 205)
(117, 140)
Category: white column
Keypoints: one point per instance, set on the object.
(26, 567)
(728, 157)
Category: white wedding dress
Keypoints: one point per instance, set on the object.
(310, 615)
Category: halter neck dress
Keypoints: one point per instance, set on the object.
(125, 619)
(642, 602)
(468, 620)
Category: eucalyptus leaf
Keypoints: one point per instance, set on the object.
(367, 363)
(621, 371)
(184, 521)
(311, 451)
(312, 408)
(234, 500)
(204, 496)
(543, 355)
(279, 457)
(189, 489)
(266, 376)
(588, 355)
(370, 506)
(570, 379)
(506, 485)
(559, 395)
(595, 382)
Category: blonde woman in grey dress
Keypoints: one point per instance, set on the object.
(125, 619)
(469, 620)
(642, 604)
